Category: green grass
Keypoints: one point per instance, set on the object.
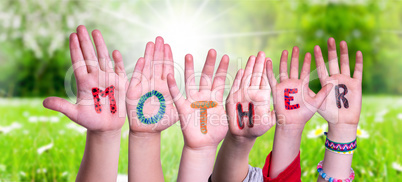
(20, 160)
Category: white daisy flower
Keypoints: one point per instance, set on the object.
(45, 148)
(122, 178)
(41, 170)
(317, 132)
(399, 116)
(7, 129)
(54, 119)
(33, 119)
(397, 166)
(362, 133)
(76, 127)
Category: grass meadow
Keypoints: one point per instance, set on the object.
(42, 145)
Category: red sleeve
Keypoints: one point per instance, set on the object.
(291, 174)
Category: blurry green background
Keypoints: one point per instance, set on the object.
(34, 62)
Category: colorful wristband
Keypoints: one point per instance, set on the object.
(331, 179)
(340, 148)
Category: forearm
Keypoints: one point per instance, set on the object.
(196, 164)
(232, 161)
(144, 157)
(338, 165)
(286, 147)
(101, 157)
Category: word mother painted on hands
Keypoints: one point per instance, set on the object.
(289, 98)
(241, 114)
(158, 116)
(341, 96)
(108, 92)
(203, 106)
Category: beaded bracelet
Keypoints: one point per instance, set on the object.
(340, 148)
(331, 179)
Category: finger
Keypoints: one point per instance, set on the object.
(175, 92)
(77, 59)
(245, 81)
(321, 68)
(264, 79)
(322, 94)
(118, 64)
(220, 75)
(270, 74)
(258, 69)
(294, 64)
(208, 71)
(358, 73)
(345, 69)
(101, 49)
(317, 100)
(148, 57)
(168, 64)
(189, 74)
(137, 74)
(237, 81)
(332, 57)
(87, 49)
(305, 72)
(61, 105)
(158, 57)
(283, 66)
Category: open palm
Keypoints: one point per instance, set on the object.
(94, 72)
(250, 87)
(150, 75)
(293, 104)
(199, 134)
(347, 110)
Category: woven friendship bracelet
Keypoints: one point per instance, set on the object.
(341, 148)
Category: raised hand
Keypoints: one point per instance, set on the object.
(153, 112)
(150, 111)
(100, 105)
(249, 116)
(343, 104)
(94, 73)
(293, 104)
(250, 88)
(199, 131)
(202, 117)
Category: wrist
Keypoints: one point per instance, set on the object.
(144, 135)
(105, 135)
(289, 130)
(342, 133)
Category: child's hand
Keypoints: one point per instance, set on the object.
(94, 73)
(202, 116)
(100, 104)
(155, 112)
(248, 109)
(250, 88)
(342, 106)
(293, 104)
(345, 108)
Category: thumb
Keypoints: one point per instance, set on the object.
(174, 91)
(61, 105)
(322, 94)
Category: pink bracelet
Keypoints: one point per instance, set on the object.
(331, 179)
